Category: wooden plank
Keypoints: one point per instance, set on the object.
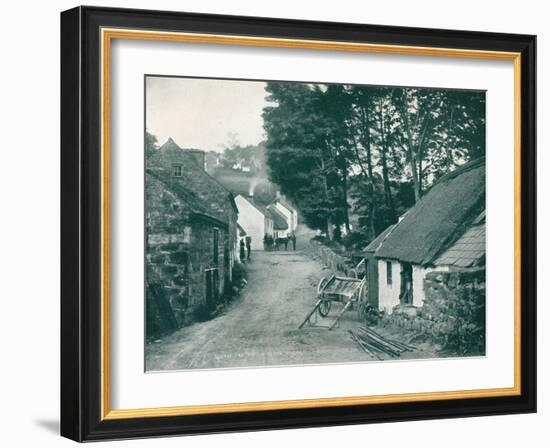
(310, 314)
(340, 315)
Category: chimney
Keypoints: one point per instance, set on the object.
(199, 157)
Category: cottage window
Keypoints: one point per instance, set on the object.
(177, 170)
(388, 272)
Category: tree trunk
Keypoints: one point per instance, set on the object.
(411, 153)
(371, 209)
(345, 194)
(385, 176)
(329, 229)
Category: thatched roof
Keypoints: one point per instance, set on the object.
(263, 210)
(439, 218)
(284, 203)
(377, 242)
(279, 221)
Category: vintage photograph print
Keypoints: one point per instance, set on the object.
(292, 223)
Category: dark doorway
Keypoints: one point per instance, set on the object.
(212, 285)
(406, 293)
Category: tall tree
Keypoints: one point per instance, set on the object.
(297, 150)
(151, 144)
(372, 150)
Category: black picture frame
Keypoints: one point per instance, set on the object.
(81, 224)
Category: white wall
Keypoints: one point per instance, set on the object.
(388, 294)
(419, 274)
(289, 216)
(29, 323)
(252, 221)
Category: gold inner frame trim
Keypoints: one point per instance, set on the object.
(107, 35)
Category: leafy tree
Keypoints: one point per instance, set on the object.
(440, 130)
(299, 153)
(151, 144)
(367, 150)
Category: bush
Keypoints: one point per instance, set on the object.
(355, 240)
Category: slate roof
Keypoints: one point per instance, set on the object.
(467, 251)
(447, 210)
(185, 195)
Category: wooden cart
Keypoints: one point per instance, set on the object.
(352, 292)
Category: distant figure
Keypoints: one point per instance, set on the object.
(285, 241)
(248, 246)
(266, 241)
(241, 251)
(293, 239)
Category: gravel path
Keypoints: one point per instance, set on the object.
(261, 328)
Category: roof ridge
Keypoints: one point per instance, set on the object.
(256, 206)
(186, 152)
(430, 224)
(461, 169)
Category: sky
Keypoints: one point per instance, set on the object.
(205, 113)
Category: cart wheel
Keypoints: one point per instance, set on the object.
(362, 303)
(322, 284)
(324, 308)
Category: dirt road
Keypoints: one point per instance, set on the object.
(261, 328)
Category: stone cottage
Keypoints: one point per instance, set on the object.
(191, 237)
(444, 231)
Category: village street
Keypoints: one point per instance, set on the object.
(261, 327)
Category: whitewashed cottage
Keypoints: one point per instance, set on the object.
(444, 231)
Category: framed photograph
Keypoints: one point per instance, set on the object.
(277, 224)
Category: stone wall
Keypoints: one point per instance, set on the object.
(179, 250)
(335, 262)
(213, 195)
(419, 274)
(452, 314)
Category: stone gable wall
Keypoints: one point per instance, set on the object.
(212, 194)
(179, 249)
